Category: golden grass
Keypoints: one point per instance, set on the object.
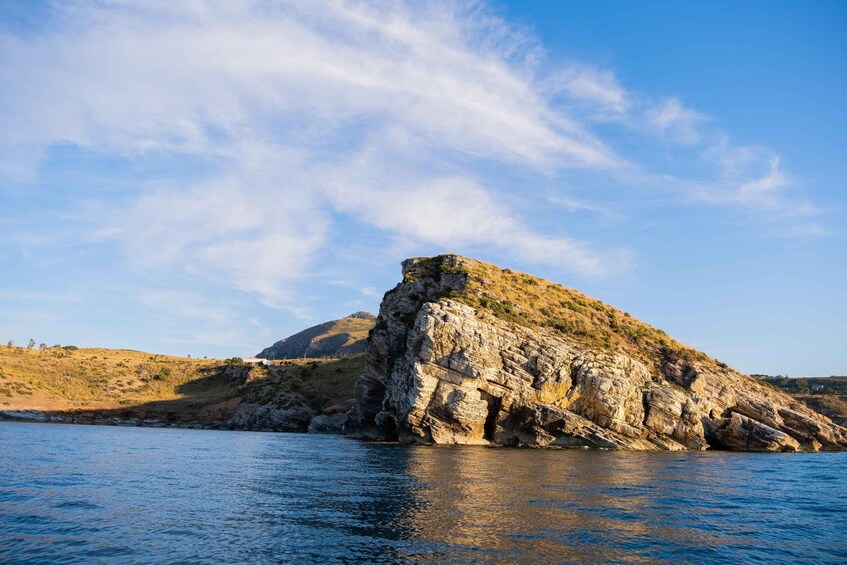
(60, 379)
(103, 375)
(357, 328)
(530, 301)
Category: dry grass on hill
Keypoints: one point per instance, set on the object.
(95, 377)
(60, 379)
(527, 300)
(357, 328)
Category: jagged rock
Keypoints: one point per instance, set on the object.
(24, 415)
(270, 418)
(745, 434)
(326, 424)
(453, 360)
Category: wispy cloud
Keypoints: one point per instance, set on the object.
(573, 204)
(599, 88)
(388, 115)
(276, 94)
(217, 323)
(752, 177)
(670, 118)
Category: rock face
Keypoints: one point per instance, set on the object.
(297, 396)
(452, 361)
(338, 338)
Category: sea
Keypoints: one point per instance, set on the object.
(92, 494)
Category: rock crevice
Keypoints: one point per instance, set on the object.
(439, 370)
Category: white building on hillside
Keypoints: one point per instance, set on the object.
(257, 361)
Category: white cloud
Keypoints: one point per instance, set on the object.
(371, 292)
(295, 113)
(752, 177)
(275, 94)
(675, 121)
(457, 213)
(766, 188)
(588, 84)
(572, 204)
(159, 76)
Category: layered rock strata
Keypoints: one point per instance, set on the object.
(439, 370)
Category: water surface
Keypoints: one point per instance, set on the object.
(86, 494)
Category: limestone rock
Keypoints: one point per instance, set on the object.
(451, 362)
(745, 434)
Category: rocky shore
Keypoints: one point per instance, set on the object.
(467, 353)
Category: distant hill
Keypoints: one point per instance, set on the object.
(827, 395)
(111, 386)
(337, 338)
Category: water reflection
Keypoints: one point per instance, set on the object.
(578, 506)
(78, 494)
(529, 506)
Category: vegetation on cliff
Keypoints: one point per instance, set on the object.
(530, 301)
(466, 352)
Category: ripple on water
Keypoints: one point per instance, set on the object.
(79, 494)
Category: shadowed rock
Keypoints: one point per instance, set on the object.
(466, 353)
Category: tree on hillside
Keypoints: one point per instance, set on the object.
(11, 344)
(31, 344)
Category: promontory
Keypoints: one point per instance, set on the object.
(464, 352)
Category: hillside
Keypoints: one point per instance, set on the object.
(529, 301)
(337, 338)
(467, 352)
(827, 395)
(112, 386)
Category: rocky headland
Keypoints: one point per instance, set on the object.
(464, 352)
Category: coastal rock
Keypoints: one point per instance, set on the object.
(741, 433)
(271, 418)
(451, 361)
(24, 416)
(327, 424)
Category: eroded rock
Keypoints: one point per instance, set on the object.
(441, 371)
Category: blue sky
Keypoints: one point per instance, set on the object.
(207, 178)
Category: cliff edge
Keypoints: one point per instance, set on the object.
(464, 352)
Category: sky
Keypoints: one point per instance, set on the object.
(206, 178)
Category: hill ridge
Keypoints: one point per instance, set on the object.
(335, 338)
(466, 352)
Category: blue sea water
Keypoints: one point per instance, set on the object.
(83, 494)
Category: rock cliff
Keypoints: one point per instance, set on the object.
(466, 353)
